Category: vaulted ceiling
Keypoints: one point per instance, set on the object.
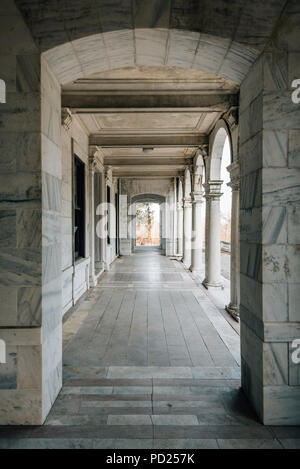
(150, 74)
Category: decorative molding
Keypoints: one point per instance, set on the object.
(66, 118)
(94, 159)
(234, 170)
(232, 117)
(213, 189)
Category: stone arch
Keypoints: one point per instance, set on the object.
(150, 47)
(187, 189)
(216, 144)
(154, 198)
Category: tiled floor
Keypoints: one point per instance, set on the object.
(150, 362)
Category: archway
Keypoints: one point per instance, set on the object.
(158, 201)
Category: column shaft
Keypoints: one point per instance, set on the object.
(196, 257)
(187, 232)
(179, 228)
(213, 271)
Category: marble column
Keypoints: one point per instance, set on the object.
(179, 228)
(213, 268)
(187, 231)
(234, 305)
(196, 255)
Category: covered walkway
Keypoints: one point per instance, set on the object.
(149, 362)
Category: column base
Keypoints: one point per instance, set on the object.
(197, 272)
(213, 285)
(233, 310)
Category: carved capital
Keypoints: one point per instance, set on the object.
(234, 170)
(232, 117)
(213, 189)
(203, 150)
(66, 118)
(187, 202)
(108, 174)
(197, 197)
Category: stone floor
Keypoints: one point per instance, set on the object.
(150, 362)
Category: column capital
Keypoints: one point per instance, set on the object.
(234, 170)
(94, 158)
(179, 205)
(232, 117)
(187, 202)
(66, 118)
(197, 197)
(213, 189)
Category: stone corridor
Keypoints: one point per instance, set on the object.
(149, 362)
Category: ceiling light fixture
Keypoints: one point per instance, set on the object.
(148, 150)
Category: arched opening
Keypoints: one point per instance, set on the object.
(148, 224)
(229, 47)
(225, 210)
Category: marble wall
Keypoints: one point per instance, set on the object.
(269, 229)
(21, 247)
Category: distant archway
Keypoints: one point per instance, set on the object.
(151, 199)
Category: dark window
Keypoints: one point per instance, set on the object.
(108, 213)
(79, 203)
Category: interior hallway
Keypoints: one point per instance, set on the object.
(149, 362)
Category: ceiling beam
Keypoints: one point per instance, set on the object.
(170, 141)
(93, 103)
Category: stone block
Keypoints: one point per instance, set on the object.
(251, 154)
(182, 48)
(294, 301)
(275, 302)
(20, 407)
(251, 260)
(274, 227)
(29, 306)
(275, 364)
(294, 149)
(279, 112)
(30, 367)
(280, 186)
(8, 370)
(275, 144)
(275, 70)
(250, 192)
(28, 75)
(281, 405)
(29, 228)
(251, 225)
(8, 236)
(151, 46)
(8, 297)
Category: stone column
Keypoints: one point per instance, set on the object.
(213, 271)
(187, 231)
(180, 228)
(234, 305)
(196, 257)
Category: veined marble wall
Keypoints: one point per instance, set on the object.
(133, 187)
(21, 261)
(270, 227)
(30, 272)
